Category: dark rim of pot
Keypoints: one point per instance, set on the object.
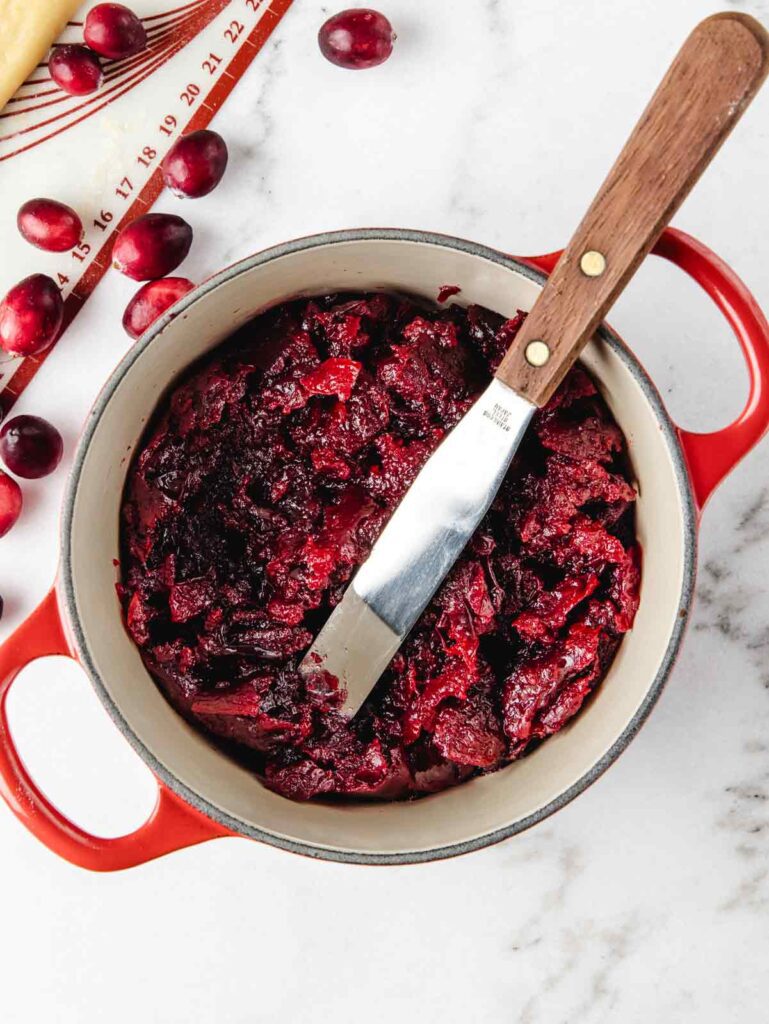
(166, 776)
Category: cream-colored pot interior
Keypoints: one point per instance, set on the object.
(484, 808)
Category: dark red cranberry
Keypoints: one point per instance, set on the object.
(151, 301)
(357, 38)
(195, 164)
(30, 316)
(152, 246)
(10, 502)
(114, 31)
(75, 69)
(30, 446)
(49, 225)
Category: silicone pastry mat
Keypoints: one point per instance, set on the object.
(196, 54)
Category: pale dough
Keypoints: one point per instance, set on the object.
(27, 29)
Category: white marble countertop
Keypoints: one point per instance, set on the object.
(645, 899)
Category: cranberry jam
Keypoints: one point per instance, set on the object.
(264, 482)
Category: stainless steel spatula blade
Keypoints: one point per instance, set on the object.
(422, 540)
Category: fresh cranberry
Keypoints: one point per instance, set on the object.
(10, 502)
(195, 164)
(151, 301)
(49, 225)
(152, 246)
(114, 31)
(357, 38)
(30, 446)
(30, 316)
(75, 69)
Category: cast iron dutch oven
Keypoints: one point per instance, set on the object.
(202, 793)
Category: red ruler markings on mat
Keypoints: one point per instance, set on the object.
(209, 104)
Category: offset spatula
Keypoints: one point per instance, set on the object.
(710, 83)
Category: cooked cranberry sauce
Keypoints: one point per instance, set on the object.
(265, 481)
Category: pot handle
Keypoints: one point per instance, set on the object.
(172, 825)
(710, 457)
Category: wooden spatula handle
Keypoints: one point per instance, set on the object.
(708, 86)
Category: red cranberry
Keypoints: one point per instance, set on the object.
(358, 38)
(30, 446)
(49, 225)
(10, 502)
(30, 316)
(114, 31)
(151, 301)
(152, 246)
(195, 164)
(76, 69)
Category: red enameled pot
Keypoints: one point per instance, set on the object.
(202, 794)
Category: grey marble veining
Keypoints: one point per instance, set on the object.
(645, 899)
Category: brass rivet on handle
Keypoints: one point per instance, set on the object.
(537, 353)
(593, 263)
